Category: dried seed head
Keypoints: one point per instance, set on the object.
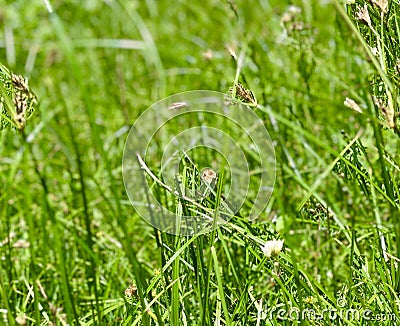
(378, 102)
(352, 105)
(208, 175)
(243, 94)
(23, 100)
(387, 112)
(20, 119)
(19, 83)
(130, 291)
(382, 4)
(362, 14)
(20, 102)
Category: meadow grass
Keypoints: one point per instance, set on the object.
(73, 250)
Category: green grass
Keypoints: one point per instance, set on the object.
(70, 241)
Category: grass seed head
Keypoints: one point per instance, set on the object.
(130, 291)
(208, 175)
(20, 103)
(352, 105)
(362, 14)
(381, 4)
(243, 94)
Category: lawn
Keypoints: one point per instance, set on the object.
(199, 163)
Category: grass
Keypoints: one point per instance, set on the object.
(74, 251)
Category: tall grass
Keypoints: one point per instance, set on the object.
(72, 249)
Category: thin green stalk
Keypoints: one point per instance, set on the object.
(206, 280)
(220, 284)
(175, 298)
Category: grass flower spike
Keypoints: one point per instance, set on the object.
(382, 4)
(17, 101)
